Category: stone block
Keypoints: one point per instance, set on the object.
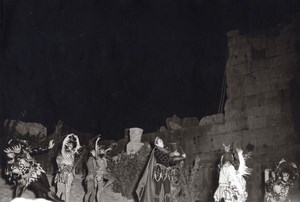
(235, 104)
(162, 129)
(133, 147)
(263, 110)
(190, 122)
(212, 119)
(277, 73)
(265, 98)
(32, 130)
(232, 61)
(279, 120)
(232, 37)
(227, 127)
(281, 47)
(231, 115)
(191, 145)
(248, 140)
(233, 91)
(259, 43)
(256, 87)
(215, 142)
(135, 134)
(174, 123)
(256, 122)
(270, 137)
(286, 38)
(251, 72)
(216, 129)
(265, 137)
(237, 125)
(257, 65)
(284, 60)
(237, 70)
(261, 87)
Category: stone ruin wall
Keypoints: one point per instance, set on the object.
(262, 109)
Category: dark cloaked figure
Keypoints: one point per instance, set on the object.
(23, 171)
(157, 175)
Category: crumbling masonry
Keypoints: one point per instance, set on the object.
(262, 112)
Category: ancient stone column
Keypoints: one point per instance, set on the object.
(134, 144)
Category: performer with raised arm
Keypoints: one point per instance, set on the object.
(23, 171)
(232, 185)
(90, 182)
(65, 162)
(103, 177)
(157, 173)
(90, 194)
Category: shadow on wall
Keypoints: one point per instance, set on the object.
(295, 86)
(295, 100)
(295, 95)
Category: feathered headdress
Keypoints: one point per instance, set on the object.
(227, 156)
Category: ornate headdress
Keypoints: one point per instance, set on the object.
(73, 140)
(17, 148)
(227, 156)
(287, 167)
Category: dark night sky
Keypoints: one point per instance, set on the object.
(105, 65)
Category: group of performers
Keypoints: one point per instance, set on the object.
(279, 181)
(232, 173)
(23, 171)
(156, 183)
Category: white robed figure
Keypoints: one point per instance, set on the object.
(232, 185)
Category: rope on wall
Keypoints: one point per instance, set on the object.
(223, 92)
(224, 86)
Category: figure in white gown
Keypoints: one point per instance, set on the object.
(232, 185)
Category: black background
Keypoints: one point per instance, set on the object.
(105, 65)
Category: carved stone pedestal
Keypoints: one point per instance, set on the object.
(135, 143)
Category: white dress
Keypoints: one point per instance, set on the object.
(232, 185)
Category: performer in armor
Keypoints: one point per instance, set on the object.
(102, 173)
(65, 163)
(158, 173)
(280, 185)
(23, 171)
(90, 178)
(232, 185)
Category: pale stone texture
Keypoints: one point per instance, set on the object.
(262, 109)
(135, 140)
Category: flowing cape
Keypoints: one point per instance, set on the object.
(146, 188)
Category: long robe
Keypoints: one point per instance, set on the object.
(146, 188)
